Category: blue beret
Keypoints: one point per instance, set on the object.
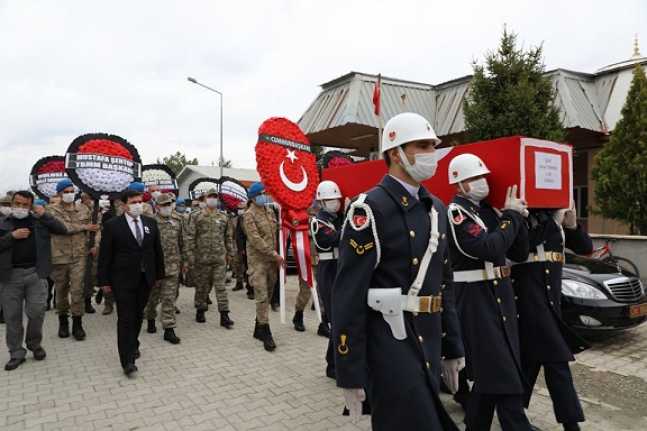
(255, 190)
(179, 201)
(40, 202)
(137, 187)
(63, 184)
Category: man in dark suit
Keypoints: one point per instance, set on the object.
(131, 261)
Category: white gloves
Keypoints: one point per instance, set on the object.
(513, 203)
(353, 399)
(567, 217)
(449, 372)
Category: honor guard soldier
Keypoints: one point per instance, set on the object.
(545, 339)
(392, 305)
(481, 241)
(325, 229)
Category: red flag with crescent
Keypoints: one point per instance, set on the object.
(288, 170)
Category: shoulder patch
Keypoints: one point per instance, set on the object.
(360, 249)
(360, 220)
(457, 217)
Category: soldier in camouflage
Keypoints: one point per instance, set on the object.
(207, 251)
(235, 256)
(171, 234)
(69, 253)
(261, 225)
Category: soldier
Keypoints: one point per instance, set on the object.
(86, 200)
(325, 229)
(546, 341)
(171, 234)
(261, 226)
(234, 257)
(207, 251)
(392, 305)
(69, 253)
(484, 297)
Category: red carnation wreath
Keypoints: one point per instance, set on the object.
(44, 175)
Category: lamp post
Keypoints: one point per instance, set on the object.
(196, 82)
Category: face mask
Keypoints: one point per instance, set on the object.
(19, 213)
(156, 194)
(104, 204)
(262, 200)
(135, 210)
(165, 211)
(202, 205)
(212, 202)
(5, 211)
(423, 168)
(68, 198)
(479, 190)
(332, 206)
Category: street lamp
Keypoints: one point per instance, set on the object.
(195, 81)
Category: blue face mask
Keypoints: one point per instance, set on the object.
(262, 200)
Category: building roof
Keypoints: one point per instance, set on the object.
(342, 115)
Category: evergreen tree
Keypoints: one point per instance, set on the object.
(510, 95)
(621, 166)
(177, 161)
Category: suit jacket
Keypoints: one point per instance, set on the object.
(121, 258)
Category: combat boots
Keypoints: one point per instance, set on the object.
(77, 328)
(199, 316)
(238, 286)
(107, 308)
(169, 335)
(266, 337)
(297, 320)
(1, 316)
(324, 330)
(225, 321)
(250, 292)
(63, 326)
(151, 326)
(89, 309)
(257, 333)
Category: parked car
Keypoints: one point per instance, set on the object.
(597, 299)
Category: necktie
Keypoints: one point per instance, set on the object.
(138, 232)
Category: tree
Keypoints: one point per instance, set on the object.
(177, 161)
(510, 95)
(621, 166)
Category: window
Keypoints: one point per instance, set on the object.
(581, 197)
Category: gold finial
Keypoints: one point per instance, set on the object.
(636, 48)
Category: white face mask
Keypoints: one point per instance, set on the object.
(202, 205)
(156, 194)
(68, 198)
(424, 167)
(135, 210)
(5, 211)
(332, 206)
(165, 211)
(104, 203)
(212, 202)
(479, 190)
(19, 213)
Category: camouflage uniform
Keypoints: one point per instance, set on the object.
(260, 226)
(69, 253)
(207, 251)
(235, 260)
(171, 235)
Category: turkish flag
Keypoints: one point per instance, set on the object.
(377, 94)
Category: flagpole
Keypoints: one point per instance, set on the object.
(380, 125)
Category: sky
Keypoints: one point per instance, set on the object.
(79, 66)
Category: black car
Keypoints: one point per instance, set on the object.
(596, 298)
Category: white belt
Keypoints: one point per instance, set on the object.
(475, 275)
(549, 256)
(329, 255)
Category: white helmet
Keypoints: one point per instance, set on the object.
(328, 190)
(464, 167)
(404, 128)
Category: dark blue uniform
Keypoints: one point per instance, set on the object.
(488, 313)
(401, 377)
(545, 339)
(326, 231)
